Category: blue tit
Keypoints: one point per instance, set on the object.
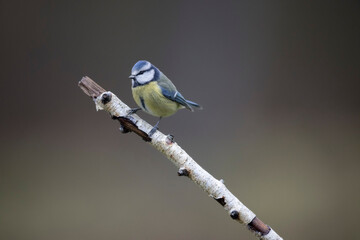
(155, 94)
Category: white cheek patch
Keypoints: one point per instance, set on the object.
(146, 77)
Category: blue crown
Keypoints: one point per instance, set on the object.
(140, 64)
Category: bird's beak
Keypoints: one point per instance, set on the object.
(132, 77)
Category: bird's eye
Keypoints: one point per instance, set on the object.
(141, 72)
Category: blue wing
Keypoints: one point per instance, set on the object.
(176, 97)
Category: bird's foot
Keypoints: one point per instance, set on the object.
(152, 131)
(156, 127)
(132, 111)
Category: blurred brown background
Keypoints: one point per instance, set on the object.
(279, 83)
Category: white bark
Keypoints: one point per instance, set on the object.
(213, 187)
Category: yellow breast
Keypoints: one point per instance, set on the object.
(151, 100)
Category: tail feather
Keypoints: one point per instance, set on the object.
(194, 104)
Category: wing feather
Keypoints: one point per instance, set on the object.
(168, 89)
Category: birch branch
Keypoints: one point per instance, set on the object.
(105, 100)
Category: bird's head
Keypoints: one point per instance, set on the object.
(143, 72)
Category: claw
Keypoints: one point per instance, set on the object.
(153, 130)
(132, 111)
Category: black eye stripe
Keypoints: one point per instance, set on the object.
(141, 72)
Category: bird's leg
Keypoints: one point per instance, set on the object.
(153, 130)
(132, 111)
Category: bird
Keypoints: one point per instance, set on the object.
(155, 94)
